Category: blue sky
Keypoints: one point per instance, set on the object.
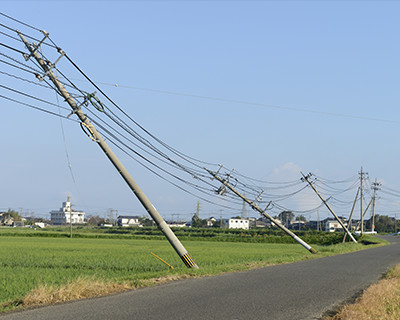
(317, 81)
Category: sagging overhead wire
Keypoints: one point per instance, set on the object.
(113, 103)
(20, 22)
(36, 108)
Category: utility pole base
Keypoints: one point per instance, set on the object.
(189, 262)
(312, 250)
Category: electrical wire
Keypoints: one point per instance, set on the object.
(36, 108)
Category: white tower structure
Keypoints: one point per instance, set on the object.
(65, 213)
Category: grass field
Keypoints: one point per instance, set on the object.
(29, 263)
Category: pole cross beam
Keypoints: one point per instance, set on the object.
(169, 234)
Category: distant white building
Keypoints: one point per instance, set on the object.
(177, 224)
(40, 224)
(65, 214)
(333, 225)
(128, 221)
(211, 221)
(238, 224)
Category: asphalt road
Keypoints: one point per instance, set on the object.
(302, 290)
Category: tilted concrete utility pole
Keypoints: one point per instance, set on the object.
(351, 215)
(257, 208)
(365, 211)
(306, 178)
(85, 122)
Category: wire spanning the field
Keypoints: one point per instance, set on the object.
(187, 173)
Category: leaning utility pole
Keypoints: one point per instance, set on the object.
(375, 187)
(254, 206)
(306, 178)
(95, 136)
(244, 211)
(351, 214)
(365, 211)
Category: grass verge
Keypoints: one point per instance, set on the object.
(381, 301)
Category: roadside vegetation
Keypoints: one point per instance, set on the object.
(381, 301)
(36, 270)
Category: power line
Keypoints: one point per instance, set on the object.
(23, 23)
(37, 108)
(335, 114)
(32, 97)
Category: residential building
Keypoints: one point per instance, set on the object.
(128, 221)
(260, 223)
(66, 214)
(297, 225)
(177, 224)
(234, 223)
(6, 219)
(211, 221)
(333, 225)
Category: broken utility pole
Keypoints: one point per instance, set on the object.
(95, 136)
(254, 206)
(307, 178)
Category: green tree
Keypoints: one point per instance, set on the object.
(197, 222)
(301, 218)
(13, 214)
(286, 217)
(384, 224)
(146, 222)
(95, 220)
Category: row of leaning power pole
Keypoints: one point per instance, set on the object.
(375, 188)
(35, 53)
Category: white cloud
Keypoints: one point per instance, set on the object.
(302, 201)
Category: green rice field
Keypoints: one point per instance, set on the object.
(29, 262)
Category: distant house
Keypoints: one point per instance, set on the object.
(234, 223)
(66, 214)
(333, 225)
(40, 224)
(8, 221)
(177, 224)
(297, 225)
(128, 221)
(211, 221)
(262, 224)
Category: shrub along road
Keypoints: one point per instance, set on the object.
(302, 290)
